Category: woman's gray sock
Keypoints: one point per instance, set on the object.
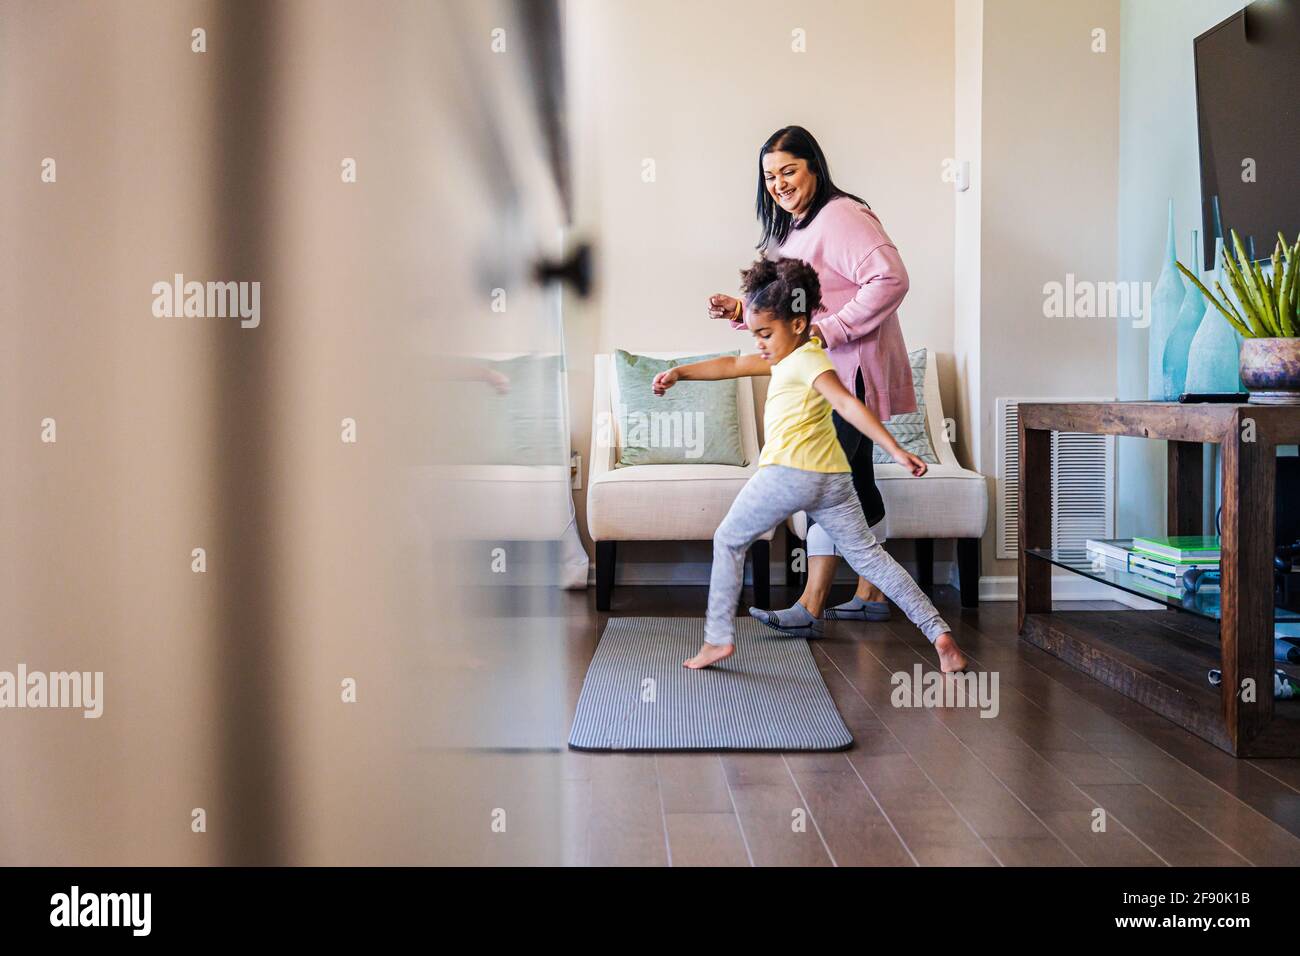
(793, 621)
(859, 610)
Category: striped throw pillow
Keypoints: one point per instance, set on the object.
(909, 429)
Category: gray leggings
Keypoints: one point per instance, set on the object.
(771, 496)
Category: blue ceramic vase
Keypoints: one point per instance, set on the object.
(1213, 361)
(1179, 342)
(1166, 300)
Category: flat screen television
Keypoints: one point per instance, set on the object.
(1248, 115)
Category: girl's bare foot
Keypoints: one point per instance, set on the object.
(951, 659)
(710, 654)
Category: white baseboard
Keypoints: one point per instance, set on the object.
(1065, 587)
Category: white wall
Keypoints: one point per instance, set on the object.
(891, 90)
(1049, 193)
(967, 263)
(1159, 160)
(698, 87)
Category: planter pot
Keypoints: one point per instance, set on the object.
(1270, 370)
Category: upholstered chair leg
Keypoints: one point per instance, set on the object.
(760, 556)
(925, 562)
(605, 557)
(968, 569)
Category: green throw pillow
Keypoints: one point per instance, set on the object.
(519, 423)
(693, 423)
(909, 429)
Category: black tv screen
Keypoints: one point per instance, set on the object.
(1248, 114)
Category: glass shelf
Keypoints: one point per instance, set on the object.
(1204, 604)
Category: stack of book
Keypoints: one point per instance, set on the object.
(1158, 564)
(1109, 552)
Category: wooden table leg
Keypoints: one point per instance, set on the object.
(1034, 581)
(1186, 488)
(1246, 588)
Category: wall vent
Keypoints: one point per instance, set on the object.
(1083, 482)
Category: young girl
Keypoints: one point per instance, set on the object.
(802, 467)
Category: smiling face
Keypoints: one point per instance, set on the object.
(789, 181)
(775, 338)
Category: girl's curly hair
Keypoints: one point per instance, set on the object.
(787, 288)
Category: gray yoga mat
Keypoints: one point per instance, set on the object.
(769, 695)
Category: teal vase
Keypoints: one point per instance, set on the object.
(1213, 361)
(1179, 343)
(1166, 300)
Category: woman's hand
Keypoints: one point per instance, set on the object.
(664, 381)
(909, 461)
(722, 306)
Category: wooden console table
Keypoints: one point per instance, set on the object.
(1161, 658)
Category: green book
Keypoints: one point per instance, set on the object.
(1170, 592)
(1181, 549)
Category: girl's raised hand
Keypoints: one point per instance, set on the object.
(664, 381)
(909, 461)
(721, 306)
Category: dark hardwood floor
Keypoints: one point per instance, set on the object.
(1068, 773)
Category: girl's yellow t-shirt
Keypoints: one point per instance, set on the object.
(797, 419)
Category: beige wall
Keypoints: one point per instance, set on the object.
(697, 87)
(1049, 182)
(891, 90)
(968, 52)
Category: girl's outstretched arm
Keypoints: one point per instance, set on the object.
(865, 420)
(711, 370)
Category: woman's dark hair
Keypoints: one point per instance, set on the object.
(786, 288)
(776, 222)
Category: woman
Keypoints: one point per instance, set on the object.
(805, 216)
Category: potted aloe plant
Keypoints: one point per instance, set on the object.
(1267, 314)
